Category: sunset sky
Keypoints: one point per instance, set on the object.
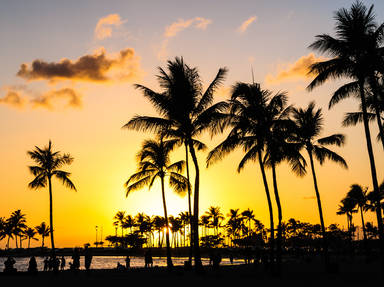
(67, 69)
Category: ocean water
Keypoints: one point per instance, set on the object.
(109, 262)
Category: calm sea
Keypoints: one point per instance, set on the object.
(109, 262)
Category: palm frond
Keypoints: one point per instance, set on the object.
(64, 177)
(335, 139)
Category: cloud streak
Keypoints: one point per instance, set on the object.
(175, 28)
(294, 71)
(105, 25)
(13, 99)
(48, 100)
(97, 67)
(244, 26)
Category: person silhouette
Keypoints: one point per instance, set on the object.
(32, 265)
(8, 265)
(62, 263)
(87, 258)
(127, 262)
(46, 264)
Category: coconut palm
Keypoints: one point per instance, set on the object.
(215, 216)
(119, 221)
(48, 164)
(128, 222)
(353, 55)
(154, 162)
(43, 230)
(347, 207)
(17, 222)
(30, 233)
(250, 119)
(358, 194)
(309, 125)
(249, 217)
(186, 111)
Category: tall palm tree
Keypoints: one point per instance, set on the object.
(347, 207)
(30, 233)
(128, 222)
(154, 162)
(249, 217)
(17, 222)
(48, 164)
(352, 56)
(359, 195)
(119, 221)
(186, 111)
(250, 120)
(43, 230)
(309, 125)
(215, 216)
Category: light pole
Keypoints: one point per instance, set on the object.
(96, 243)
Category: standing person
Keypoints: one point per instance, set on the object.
(87, 258)
(127, 262)
(62, 263)
(46, 264)
(76, 259)
(32, 266)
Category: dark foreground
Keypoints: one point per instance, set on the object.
(353, 273)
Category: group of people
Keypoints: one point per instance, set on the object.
(52, 263)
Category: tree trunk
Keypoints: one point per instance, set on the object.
(272, 235)
(196, 245)
(280, 217)
(363, 223)
(373, 171)
(189, 204)
(51, 216)
(377, 111)
(169, 257)
(325, 241)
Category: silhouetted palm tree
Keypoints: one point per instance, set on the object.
(154, 162)
(359, 195)
(42, 230)
(186, 111)
(48, 165)
(249, 217)
(347, 207)
(30, 233)
(309, 125)
(17, 222)
(119, 221)
(353, 55)
(215, 216)
(250, 119)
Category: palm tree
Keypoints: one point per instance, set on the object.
(347, 207)
(250, 121)
(119, 220)
(128, 222)
(309, 124)
(30, 233)
(159, 225)
(186, 111)
(17, 222)
(353, 54)
(359, 195)
(42, 230)
(249, 217)
(154, 162)
(215, 216)
(48, 165)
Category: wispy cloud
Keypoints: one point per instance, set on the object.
(244, 26)
(71, 98)
(105, 25)
(98, 67)
(14, 99)
(293, 71)
(178, 26)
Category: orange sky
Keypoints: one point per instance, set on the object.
(82, 110)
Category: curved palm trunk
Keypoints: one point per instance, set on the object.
(196, 246)
(169, 257)
(324, 234)
(373, 171)
(51, 216)
(280, 217)
(377, 112)
(189, 204)
(272, 236)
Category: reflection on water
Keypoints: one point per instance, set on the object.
(108, 262)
